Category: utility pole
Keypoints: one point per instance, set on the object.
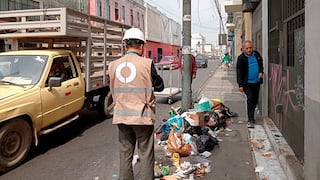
(186, 56)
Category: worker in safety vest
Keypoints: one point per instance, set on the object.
(133, 79)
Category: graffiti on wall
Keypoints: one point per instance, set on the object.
(290, 96)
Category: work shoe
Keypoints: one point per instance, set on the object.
(250, 124)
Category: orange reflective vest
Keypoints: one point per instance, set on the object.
(132, 91)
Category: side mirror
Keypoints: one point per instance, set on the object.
(54, 82)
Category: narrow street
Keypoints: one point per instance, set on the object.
(87, 148)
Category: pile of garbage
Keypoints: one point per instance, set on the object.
(191, 133)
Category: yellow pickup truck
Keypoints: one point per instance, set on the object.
(64, 70)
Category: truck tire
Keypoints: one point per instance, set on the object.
(106, 106)
(15, 143)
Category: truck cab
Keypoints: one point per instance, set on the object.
(40, 86)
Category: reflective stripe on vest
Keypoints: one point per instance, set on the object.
(120, 112)
(131, 90)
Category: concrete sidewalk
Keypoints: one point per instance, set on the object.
(258, 153)
(244, 153)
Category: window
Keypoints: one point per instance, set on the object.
(61, 67)
(123, 14)
(131, 17)
(99, 8)
(107, 9)
(138, 19)
(142, 19)
(116, 12)
(24, 4)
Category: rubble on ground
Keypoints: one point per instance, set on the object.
(191, 136)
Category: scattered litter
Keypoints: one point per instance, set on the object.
(257, 144)
(176, 159)
(258, 169)
(114, 176)
(96, 178)
(219, 139)
(207, 169)
(135, 159)
(266, 154)
(228, 129)
(200, 172)
(170, 177)
(206, 154)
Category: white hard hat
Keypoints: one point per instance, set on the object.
(134, 33)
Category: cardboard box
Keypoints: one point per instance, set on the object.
(197, 117)
(201, 118)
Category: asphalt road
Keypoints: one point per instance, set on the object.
(87, 149)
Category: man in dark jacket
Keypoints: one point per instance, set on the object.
(249, 77)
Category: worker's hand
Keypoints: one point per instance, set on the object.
(193, 75)
(260, 75)
(241, 89)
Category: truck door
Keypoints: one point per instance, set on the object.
(60, 102)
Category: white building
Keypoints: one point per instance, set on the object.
(196, 43)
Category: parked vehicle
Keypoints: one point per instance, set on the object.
(216, 57)
(201, 61)
(168, 62)
(43, 90)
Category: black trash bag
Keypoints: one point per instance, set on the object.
(205, 143)
(191, 129)
(164, 136)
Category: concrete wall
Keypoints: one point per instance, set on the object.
(161, 33)
(312, 91)
(153, 24)
(264, 54)
(160, 28)
(238, 34)
(247, 17)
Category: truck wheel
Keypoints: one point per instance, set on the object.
(106, 106)
(15, 143)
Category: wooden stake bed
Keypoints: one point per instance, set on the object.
(63, 28)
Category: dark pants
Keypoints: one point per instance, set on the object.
(128, 136)
(252, 92)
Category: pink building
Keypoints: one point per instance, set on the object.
(163, 35)
(130, 12)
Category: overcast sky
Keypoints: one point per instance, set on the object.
(205, 19)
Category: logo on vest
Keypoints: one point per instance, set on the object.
(132, 75)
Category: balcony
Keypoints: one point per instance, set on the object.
(233, 6)
(249, 5)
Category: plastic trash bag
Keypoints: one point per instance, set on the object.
(176, 122)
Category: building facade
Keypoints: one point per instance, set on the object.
(163, 34)
(130, 12)
(286, 33)
(311, 91)
(197, 41)
(8, 5)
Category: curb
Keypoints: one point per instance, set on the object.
(293, 169)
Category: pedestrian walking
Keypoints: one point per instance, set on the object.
(226, 61)
(250, 77)
(133, 79)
